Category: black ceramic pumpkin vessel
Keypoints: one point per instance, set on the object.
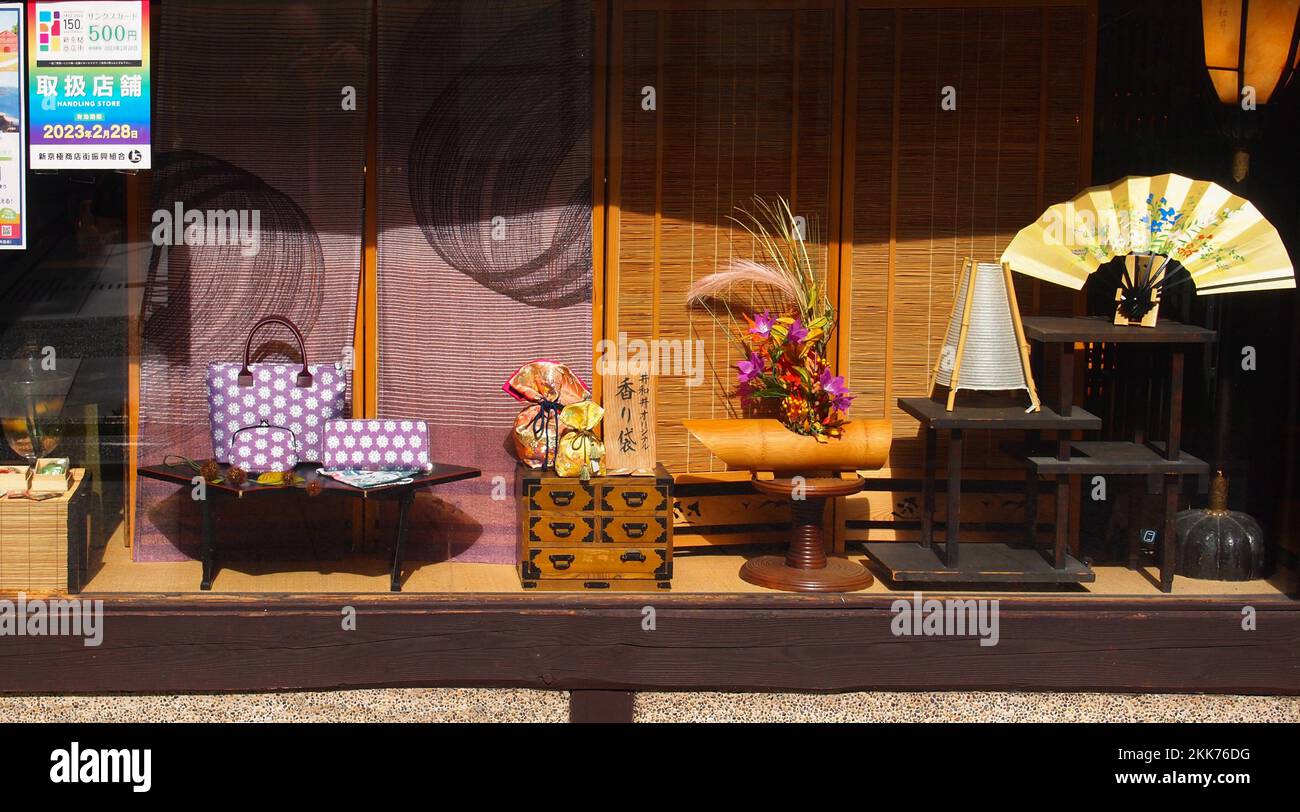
(1217, 544)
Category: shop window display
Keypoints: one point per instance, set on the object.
(668, 298)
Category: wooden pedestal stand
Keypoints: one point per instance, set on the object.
(805, 567)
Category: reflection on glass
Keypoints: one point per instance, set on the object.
(31, 408)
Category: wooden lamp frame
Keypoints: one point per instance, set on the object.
(967, 269)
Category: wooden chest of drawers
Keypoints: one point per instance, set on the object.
(608, 533)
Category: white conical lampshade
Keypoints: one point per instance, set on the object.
(985, 348)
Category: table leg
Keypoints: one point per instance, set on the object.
(403, 508)
(77, 540)
(1173, 442)
(1135, 539)
(1173, 489)
(927, 489)
(950, 536)
(1033, 439)
(1065, 378)
(209, 541)
(1062, 541)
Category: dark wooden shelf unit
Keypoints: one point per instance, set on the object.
(1164, 463)
(986, 562)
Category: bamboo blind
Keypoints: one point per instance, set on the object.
(34, 540)
(744, 106)
(928, 186)
(749, 100)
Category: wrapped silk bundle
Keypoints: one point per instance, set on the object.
(547, 387)
(580, 452)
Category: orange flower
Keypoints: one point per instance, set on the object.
(794, 408)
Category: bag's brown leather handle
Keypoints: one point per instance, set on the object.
(246, 373)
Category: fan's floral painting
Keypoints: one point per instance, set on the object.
(1220, 239)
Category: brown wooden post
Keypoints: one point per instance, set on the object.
(950, 536)
(1032, 438)
(1174, 441)
(1062, 520)
(1173, 489)
(600, 706)
(1065, 377)
(927, 488)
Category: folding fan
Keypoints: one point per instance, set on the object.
(1220, 239)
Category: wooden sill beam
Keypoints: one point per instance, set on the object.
(735, 642)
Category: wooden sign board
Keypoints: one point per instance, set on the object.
(629, 425)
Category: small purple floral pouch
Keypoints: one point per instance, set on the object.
(377, 444)
(264, 448)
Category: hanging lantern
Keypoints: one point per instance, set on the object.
(1251, 54)
(1252, 67)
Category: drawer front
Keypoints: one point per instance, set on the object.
(570, 497)
(634, 530)
(645, 499)
(597, 563)
(561, 529)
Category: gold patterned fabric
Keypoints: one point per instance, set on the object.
(547, 387)
(580, 451)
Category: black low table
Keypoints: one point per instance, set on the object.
(403, 493)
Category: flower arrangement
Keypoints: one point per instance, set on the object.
(783, 338)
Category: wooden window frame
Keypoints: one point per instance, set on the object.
(585, 642)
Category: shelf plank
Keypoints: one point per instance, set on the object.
(1118, 457)
(933, 414)
(1061, 329)
(982, 562)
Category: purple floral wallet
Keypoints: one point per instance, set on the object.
(264, 448)
(377, 444)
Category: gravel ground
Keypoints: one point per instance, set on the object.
(502, 705)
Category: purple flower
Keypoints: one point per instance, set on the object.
(750, 368)
(797, 332)
(833, 385)
(761, 324)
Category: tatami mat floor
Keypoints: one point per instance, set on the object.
(699, 571)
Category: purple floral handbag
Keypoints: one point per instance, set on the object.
(300, 398)
(377, 444)
(264, 448)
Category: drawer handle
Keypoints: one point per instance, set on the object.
(561, 498)
(632, 555)
(561, 562)
(634, 530)
(561, 529)
(635, 499)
